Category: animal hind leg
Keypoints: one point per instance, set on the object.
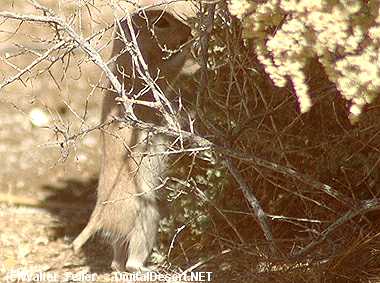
(119, 256)
(142, 237)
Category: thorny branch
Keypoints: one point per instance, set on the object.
(172, 129)
(216, 144)
(254, 203)
(207, 24)
(32, 65)
(82, 43)
(362, 208)
(193, 138)
(142, 69)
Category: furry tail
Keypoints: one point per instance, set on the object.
(88, 231)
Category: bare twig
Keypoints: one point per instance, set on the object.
(143, 72)
(306, 179)
(82, 43)
(32, 65)
(242, 156)
(171, 247)
(203, 197)
(202, 262)
(362, 208)
(254, 203)
(206, 26)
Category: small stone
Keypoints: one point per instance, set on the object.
(39, 118)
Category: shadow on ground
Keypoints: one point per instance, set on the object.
(71, 202)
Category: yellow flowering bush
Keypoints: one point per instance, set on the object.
(343, 34)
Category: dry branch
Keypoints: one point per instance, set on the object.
(254, 203)
(323, 201)
(82, 43)
(32, 65)
(362, 208)
(242, 156)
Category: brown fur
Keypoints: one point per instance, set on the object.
(126, 210)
